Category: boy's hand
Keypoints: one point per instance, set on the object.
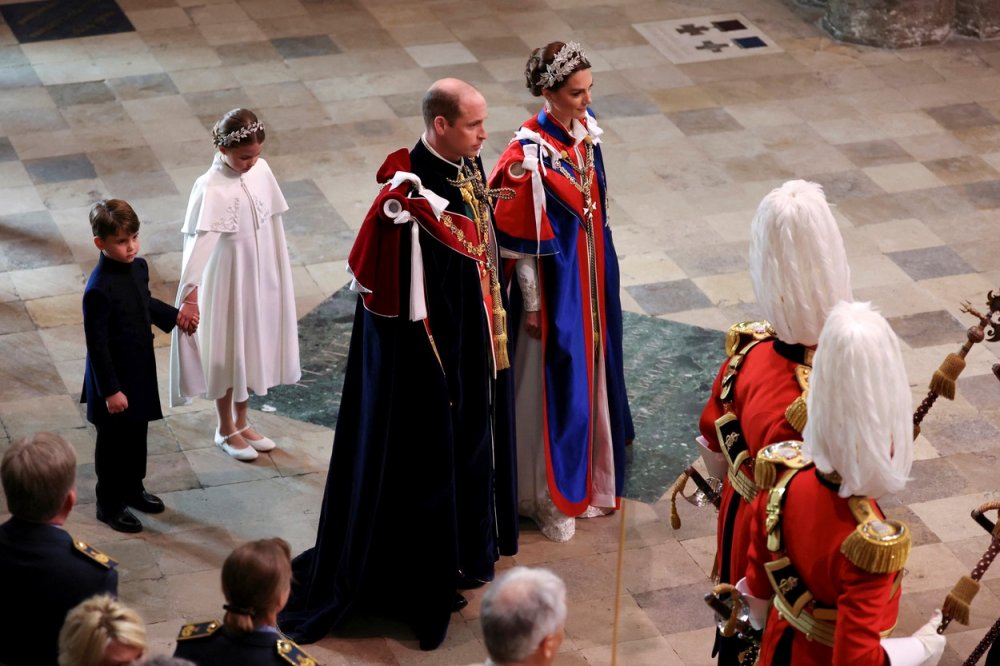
(187, 318)
(116, 403)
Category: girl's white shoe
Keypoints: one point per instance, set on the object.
(245, 455)
(262, 444)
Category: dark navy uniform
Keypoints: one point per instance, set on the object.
(118, 312)
(43, 574)
(211, 644)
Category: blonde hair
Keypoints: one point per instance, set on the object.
(37, 473)
(797, 261)
(92, 624)
(860, 406)
(254, 577)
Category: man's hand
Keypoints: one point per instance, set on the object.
(116, 403)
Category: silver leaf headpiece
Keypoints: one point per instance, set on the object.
(566, 60)
(236, 136)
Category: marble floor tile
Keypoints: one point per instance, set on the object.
(903, 177)
(704, 121)
(962, 116)
(672, 296)
(875, 153)
(60, 169)
(927, 328)
(930, 262)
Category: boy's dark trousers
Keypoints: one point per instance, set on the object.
(120, 461)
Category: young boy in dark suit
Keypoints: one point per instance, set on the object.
(119, 384)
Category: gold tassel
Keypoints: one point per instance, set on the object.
(876, 556)
(765, 473)
(956, 604)
(943, 380)
(503, 360)
(500, 332)
(675, 490)
(797, 414)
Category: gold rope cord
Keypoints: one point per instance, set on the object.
(479, 199)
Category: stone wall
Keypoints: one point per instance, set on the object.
(977, 18)
(890, 24)
(897, 24)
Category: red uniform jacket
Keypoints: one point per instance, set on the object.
(814, 523)
(765, 387)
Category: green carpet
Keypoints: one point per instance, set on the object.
(669, 368)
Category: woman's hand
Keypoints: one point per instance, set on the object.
(533, 324)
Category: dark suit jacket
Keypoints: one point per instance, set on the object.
(42, 576)
(118, 312)
(223, 648)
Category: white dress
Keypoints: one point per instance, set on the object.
(235, 254)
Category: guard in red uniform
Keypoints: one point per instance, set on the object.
(821, 550)
(799, 271)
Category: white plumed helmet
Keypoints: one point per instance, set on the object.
(797, 261)
(860, 406)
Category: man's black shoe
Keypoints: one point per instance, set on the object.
(466, 583)
(120, 521)
(460, 603)
(146, 502)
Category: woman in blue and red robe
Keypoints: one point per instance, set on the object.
(573, 418)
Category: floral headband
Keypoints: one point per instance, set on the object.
(236, 136)
(565, 62)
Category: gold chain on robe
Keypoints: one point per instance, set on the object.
(479, 199)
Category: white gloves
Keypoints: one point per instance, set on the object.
(923, 648)
(714, 461)
(757, 607)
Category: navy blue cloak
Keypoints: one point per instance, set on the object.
(421, 493)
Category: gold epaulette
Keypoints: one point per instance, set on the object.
(94, 554)
(876, 545)
(775, 458)
(745, 332)
(796, 413)
(198, 630)
(293, 654)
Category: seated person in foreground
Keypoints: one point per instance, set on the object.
(523, 616)
(256, 581)
(42, 567)
(101, 631)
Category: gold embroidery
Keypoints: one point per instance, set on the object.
(787, 584)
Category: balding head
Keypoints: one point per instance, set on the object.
(455, 118)
(523, 615)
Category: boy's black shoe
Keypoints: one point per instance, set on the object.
(460, 602)
(120, 521)
(146, 502)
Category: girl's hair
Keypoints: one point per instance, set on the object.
(92, 624)
(238, 127)
(550, 66)
(254, 577)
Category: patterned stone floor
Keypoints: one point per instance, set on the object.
(907, 145)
